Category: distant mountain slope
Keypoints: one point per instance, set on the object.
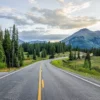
(37, 41)
(20, 41)
(84, 38)
(31, 42)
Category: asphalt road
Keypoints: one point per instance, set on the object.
(56, 85)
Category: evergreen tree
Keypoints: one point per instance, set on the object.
(71, 55)
(37, 50)
(1, 35)
(2, 56)
(43, 53)
(15, 47)
(16, 42)
(28, 55)
(75, 56)
(52, 51)
(21, 56)
(7, 47)
(16, 61)
(34, 54)
(87, 61)
(78, 54)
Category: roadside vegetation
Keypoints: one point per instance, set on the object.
(85, 64)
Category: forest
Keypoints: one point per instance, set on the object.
(12, 54)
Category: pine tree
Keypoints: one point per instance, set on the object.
(52, 51)
(7, 47)
(37, 50)
(87, 61)
(75, 56)
(21, 56)
(34, 54)
(78, 54)
(28, 55)
(2, 55)
(16, 42)
(43, 53)
(16, 61)
(71, 55)
(1, 35)
(15, 47)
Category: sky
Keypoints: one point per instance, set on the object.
(49, 20)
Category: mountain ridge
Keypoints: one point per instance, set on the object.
(84, 38)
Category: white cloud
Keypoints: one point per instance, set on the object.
(61, 1)
(71, 7)
(62, 17)
(12, 14)
(32, 1)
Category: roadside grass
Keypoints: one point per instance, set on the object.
(26, 62)
(61, 54)
(77, 67)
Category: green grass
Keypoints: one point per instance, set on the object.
(77, 67)
(26, 62)
(61, 54)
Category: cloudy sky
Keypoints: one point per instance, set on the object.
(49, 19)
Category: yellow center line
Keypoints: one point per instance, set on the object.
(42, 83)
(39, 86)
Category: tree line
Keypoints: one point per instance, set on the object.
(11, 53)
(44, 49)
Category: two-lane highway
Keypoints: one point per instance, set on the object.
(43, 81)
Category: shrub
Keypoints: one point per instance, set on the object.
(2, 65)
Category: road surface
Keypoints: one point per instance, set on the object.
(43, 81)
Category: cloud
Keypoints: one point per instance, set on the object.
(71, 7)
(12, 14)
(31, 35)
(61, 1)
(32, 1)
(62, 17)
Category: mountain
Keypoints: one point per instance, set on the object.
(20, 41)
(84, 38)
(31, 42)
(37, 41)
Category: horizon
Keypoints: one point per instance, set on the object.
(51, 20)
(57, 40)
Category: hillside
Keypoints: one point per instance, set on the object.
(84, 38)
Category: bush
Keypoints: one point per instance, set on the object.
(96, 68)
(2, 65)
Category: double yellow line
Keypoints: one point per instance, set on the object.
(41, 84)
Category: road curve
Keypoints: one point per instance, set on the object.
(56, 85)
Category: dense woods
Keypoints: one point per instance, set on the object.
(11, 53)
(44, 49)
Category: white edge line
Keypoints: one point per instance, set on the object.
(97, 85)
